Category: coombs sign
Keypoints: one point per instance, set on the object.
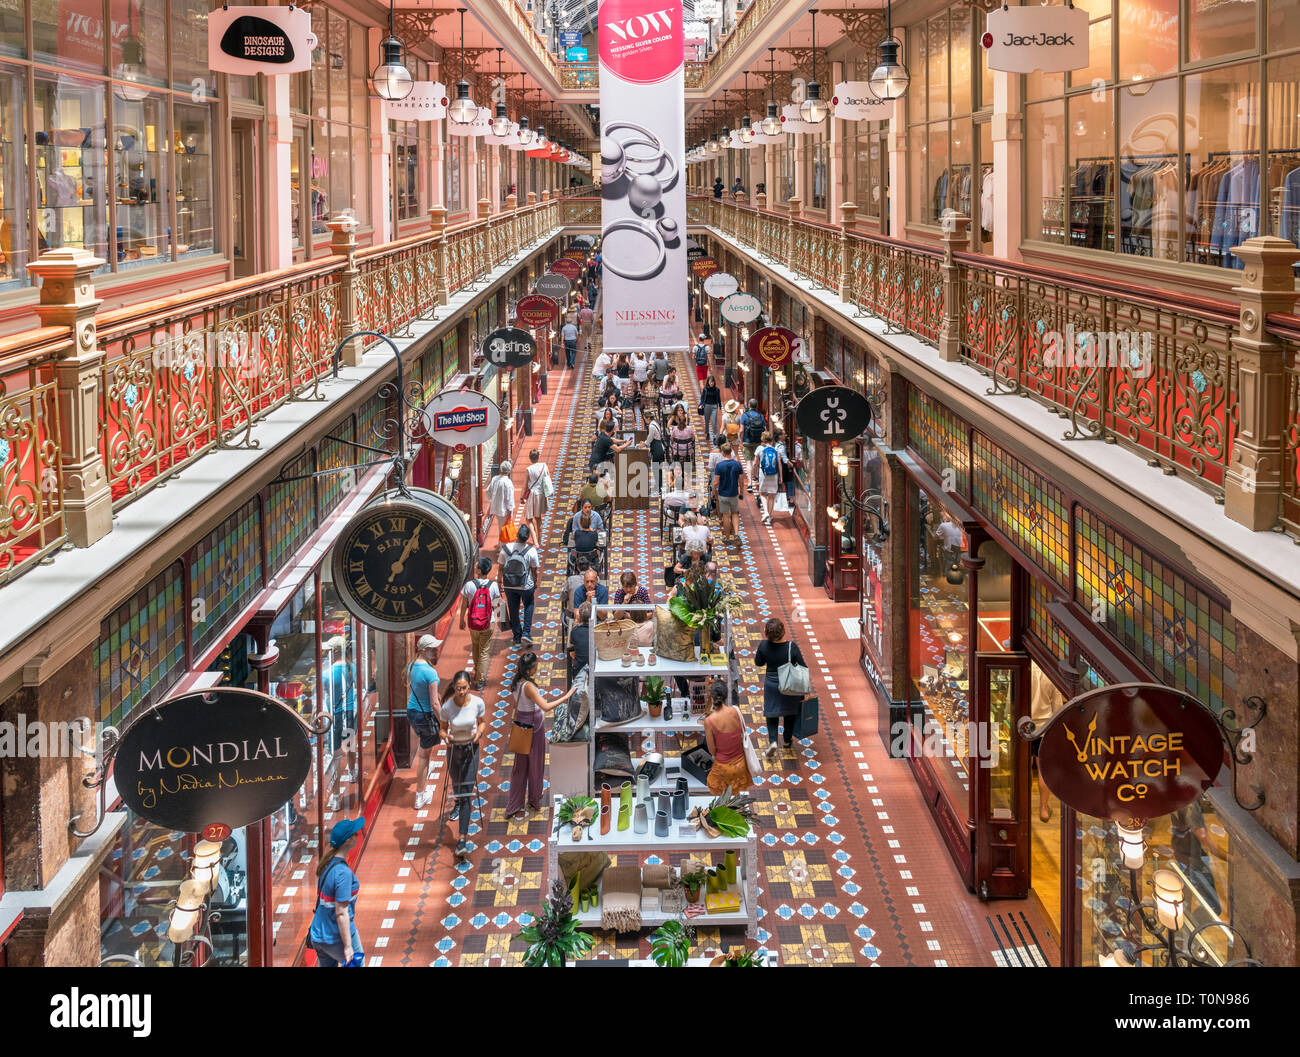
(536, 310)
(220, 757)
(1130, 752)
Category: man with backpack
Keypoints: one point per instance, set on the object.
(767, 471)
(519, 566)
(751, 430)
(477, 600)
(701, 351)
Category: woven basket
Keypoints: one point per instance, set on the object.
(674, 639)
(611, 638)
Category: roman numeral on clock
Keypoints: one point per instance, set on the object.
(441, 567)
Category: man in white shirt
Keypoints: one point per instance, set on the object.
(602, 365)
(472, 603)
(569, 332)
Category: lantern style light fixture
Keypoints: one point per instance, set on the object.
(814, 108)
(1131, 845)
(746, 128)
(1169, 899)
(724, 136)
(889, 80)
(541, 143)
(391, 79)
(526, 134)
(501, 122)
(771, 125)
(463, 110)
(130, 71)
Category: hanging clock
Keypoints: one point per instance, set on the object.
(402, 560)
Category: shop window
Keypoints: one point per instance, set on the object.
(225, 570)
(1024, 506)
(70, 36)
(13, 31)
(141, 181)
(1182, 635)
(452, 191)
(71, 181)
(141, 648)
(192, 146)
(870, 161)
(818, 162)
(138, 44)
(14, 226)
(786, 159)
(339, 139)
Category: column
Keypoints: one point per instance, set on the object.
(343, 243)
(835, 167)
(67, 299)
(1008, 165)
(279, 189)
(898, 158)
(955, 238)
(381, 158)
(495, 193)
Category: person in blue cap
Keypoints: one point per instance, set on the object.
(333, 927)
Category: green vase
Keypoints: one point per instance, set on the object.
(713, 880)
(624, 815)
(729, 865)
(625, 797)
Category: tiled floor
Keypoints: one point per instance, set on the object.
(852, 869)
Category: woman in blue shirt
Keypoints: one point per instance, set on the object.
(421, 715)
(333, 927)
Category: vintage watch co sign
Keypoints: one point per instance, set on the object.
(567, 267)
(772, 346)
(553, 285)
(720, 284)
(1131, 752)
(212, 760)
(832, 413)
(461, 420)
(740, 309)
(402, 560)
(536, 311)
(509, 347)
(260, 40)
(1025, 39)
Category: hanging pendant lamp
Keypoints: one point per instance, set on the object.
(889, 80)
(463, 110)
(746, 130)
(814, 108)
(771, 125)
(501, 122)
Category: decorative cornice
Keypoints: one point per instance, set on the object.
(866, 29)
(801, 64)
(414, 28)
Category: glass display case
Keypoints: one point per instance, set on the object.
(141, 180)
(14, 230)
(71, 166)
(192, 147)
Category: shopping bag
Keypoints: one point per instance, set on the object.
(508, 533)
(805, 722)
(781, 504)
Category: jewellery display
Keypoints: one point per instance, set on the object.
(636, 166)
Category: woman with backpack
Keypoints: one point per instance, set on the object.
(477, 599)
(778, 706)
(538, 490)
(333, 934)
(766, 469)
(529, 770)
(752, 425)
(701, 352)
(658, 452)
(518, 570)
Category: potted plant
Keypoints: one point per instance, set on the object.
(670, 944)
(738, 958)
(701, 604)
(692, 882)
(553, 936)
(652, 693)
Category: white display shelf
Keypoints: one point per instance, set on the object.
(651, 918)
(617, 840)
(693, 784)
(663, 668)
(645, 724)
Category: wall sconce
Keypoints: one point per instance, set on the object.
(185, 915)
(1131, 846)
(1169, 899)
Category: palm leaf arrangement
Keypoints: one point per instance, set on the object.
(729, 815)
(577, 811)
(553, 936)
(671, 943)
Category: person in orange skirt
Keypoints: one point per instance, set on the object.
(724, 731)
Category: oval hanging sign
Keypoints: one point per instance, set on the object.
(771, 346)
(552, 285)
(567, 267)
(461, 420)
(536, 310)
(703, 267)
(577, 253)
(212, 759)
(509, 347)
(720, 285)
(832, 413)
(740, 308)
(1131, 752)
(694, 251)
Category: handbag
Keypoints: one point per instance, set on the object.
(752, 759)
(546, 485)
(781, 504)
(508, 532)
(791, 678)
(521, 739)
(611, 638)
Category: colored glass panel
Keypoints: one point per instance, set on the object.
(1024, 506)
(141, 649)
(1180, 633)
(290, 513)
(448, 357)
(336, 453)
(1043, 625)
(939, 437)
(225, 572)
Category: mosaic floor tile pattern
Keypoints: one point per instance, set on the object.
(852, 868)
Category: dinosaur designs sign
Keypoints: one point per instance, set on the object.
(1130, 752)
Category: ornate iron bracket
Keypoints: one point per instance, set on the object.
(1234, 733)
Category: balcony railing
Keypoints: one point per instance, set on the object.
(145, 390)
(1161, 375)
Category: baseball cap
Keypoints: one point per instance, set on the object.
(344, 828)
(427, 642)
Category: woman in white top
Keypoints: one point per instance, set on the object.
(536, 493)
(500, 499)
(464, 720)
(640, 370)
(658, 452)
(696, 537)
(529, 770)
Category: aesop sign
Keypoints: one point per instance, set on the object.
(1130, 752)
(213, 757)
(260, 40)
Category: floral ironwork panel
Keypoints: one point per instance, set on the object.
(31, 469)
(141, 649)
(225, 573)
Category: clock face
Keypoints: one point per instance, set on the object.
(399, 566)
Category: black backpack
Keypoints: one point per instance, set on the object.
(701, 355)
(515, 571)
(753, 424)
